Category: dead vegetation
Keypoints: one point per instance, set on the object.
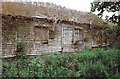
(45, 10)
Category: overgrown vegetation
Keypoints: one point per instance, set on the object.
(21, 49)
(109, 6)
(88, 63)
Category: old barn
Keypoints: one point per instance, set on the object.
(41, 35)
(45, 34)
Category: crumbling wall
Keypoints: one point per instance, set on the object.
(42, 35)
(72, 37)
(8, 35)
(16, 29)
(36, 35)
(20, 29)
(0, 35)
(95, 36)
(52, 45)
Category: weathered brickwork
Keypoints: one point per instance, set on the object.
(41, 35)
(38, 36)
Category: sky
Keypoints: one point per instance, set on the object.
(80, 5)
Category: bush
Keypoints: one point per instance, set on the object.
(87, 63)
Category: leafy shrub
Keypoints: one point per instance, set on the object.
(87, 63)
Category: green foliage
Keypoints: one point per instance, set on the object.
(102, 6)
(87, 63)
(113, 29)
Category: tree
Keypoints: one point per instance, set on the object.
(102, 6)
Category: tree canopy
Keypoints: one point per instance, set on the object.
(102, 6)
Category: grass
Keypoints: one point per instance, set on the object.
(87, 63)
